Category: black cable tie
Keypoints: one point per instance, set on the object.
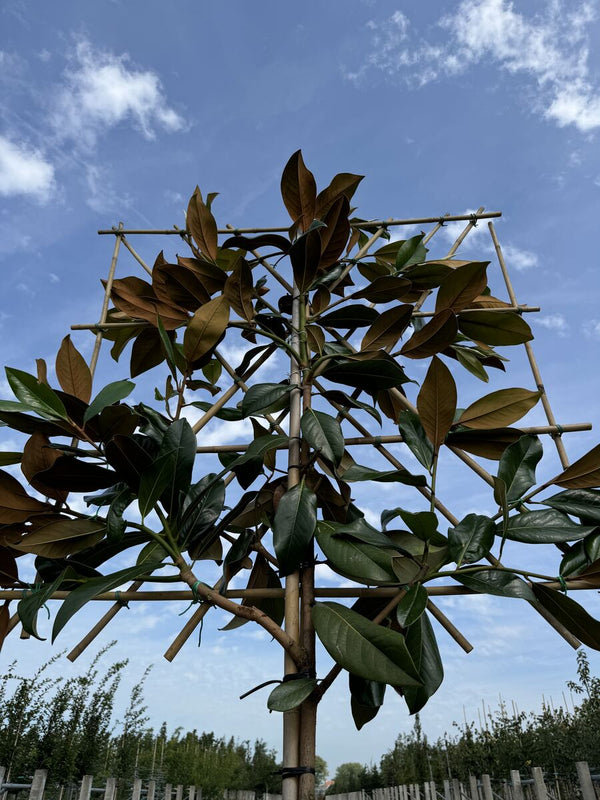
(559, 430)
(292, 772)
(296, 676)
(256, 688)
(540, 387)
(473, 218)
(441, 222)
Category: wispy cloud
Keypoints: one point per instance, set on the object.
(24, 171)
(554, 322)
(591, 328)
(102, 90)
(550, 50)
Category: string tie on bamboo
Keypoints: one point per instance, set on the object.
(559, 431)
(118, 599)
(195, 598)
(473, 219)
(293, 772)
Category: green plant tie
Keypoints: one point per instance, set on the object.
(563, 583)
(120, 601)
(195, 599)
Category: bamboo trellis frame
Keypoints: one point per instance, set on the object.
(297, 602)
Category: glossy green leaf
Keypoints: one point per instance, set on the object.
(355, 559)
(494, 581)
(293, 526)
(423, 524)
(291, 694)
(115, 524)
(36, 396)
(582, 503)
(545, 527)
(264, 398)
(171, 471)
(412, 605)
(58, 538)
(305, 255)
(571, 614)
(517, 466)
(353, 316)
(370, 375)
(384, 290)
(228, 414)
(344, 400)
(201, 507)
(366, 699)
(357, 472)
(110, 394)
(259, 448)
(422, 645)
(94, 586)
(362, 647)
(412, 251)
(360, 529)
(471, 539)
(415, 438)
(324, 434)
(29, 606)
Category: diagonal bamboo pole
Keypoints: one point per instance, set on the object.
(562, 453)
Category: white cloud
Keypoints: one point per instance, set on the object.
(551, 50)
(24, 171)
(102, 90)
(519, 259)
(554, 322)
(591, 328)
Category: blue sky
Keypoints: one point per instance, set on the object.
(114, 111)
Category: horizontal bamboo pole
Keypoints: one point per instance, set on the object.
(183, 595)
(493, 310)
(285, 228)
(398, 439)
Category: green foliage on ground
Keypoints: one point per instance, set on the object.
(68, 727)
(553, 738)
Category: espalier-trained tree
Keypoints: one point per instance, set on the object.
(349, 353)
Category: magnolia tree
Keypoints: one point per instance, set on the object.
(283, 502)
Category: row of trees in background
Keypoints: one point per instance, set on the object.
(68, 727)
(553, 739)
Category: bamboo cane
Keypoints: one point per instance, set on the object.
(562, 453)
(285, 229)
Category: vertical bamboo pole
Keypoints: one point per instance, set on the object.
(562, 453)
(291, 719)
(308, 709)
(107, 291)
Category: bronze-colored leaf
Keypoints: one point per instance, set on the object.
(205, 328)
(387, 328)
(315, 338)
(58, 538)
(433, 337)
(146, 352)
(4, 622)
(128, 458)
(210, 276)
(15, 504)
(39, 456)
(179, 285)
(42, 371)
(137, 299)
(201, 224)
(299, 191)
(436, 402)
(391, 405)
(344, 184)
(73, 372)
(384, 289)
(320, 300)
(9, 573)
(305, 255)
(239, 290)
(486, 443)
(488, 301)
(498, 409)
(335, 235)
(462, 286)
(583, 474)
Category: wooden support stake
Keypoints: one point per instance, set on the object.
(100, 625)
(110, 789)
(151, 790)
(585, 781)
(85, 791)
(487, 787)
(539, 787)
(38, 784)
